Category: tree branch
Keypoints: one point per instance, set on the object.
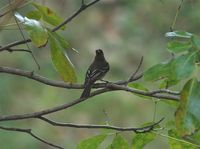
(16, 43)
(61, 84)
(17, 50)
(29, 131)
(136, 130)
(81, 9)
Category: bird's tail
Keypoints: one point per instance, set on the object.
(86, 91)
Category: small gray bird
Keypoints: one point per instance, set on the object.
(96, 71)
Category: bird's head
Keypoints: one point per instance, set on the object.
(99, 52)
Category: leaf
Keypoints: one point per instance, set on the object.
(173, 71)
(119, 142)
(62, 41)
(61, 61)
(187, 116)
(176, 142)
(184, 65)
(91, 143)
(196, 41)
(180, 34)
(176, 46)
(142, 139)
(36, 15)
(156, 72)
(48, 15)
(36, 31)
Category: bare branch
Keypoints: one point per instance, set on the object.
(41, 79)
(82, 8)
(140, 92)
(29, 131)
(137, 130)
(16, 43)
(136, 71)
(17, 50)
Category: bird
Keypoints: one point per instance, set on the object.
(96, 71)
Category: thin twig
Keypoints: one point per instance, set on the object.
(29, 131)
(140, 92)
(31, 52)
(176, 16)
(82, 8)
(17, 50)
(136, 71)
(137, 130)
(15, 43)
(83, 2)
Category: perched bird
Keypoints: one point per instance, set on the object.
(96, 71)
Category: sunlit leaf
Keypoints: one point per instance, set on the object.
(142, 139)
(48, 15)
(119, 142)
(176, 46)
(36, 31)
(61, 61)
(187, 116)
(36, 15)
(176, 142)
(91, 143)
(180, 34)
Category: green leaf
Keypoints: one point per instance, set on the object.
(36, 31)
(91, 143)
(173, 71)
(180, 34)
(36, 15)
(184, 65)
(176, 142)
(61, 61)
(142, 139)
(119, 142)
(48, 15)
(177, 46)
(196, 41)
(156, 72)
(62, 41)
(187, 116)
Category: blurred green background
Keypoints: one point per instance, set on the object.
(125, 30)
